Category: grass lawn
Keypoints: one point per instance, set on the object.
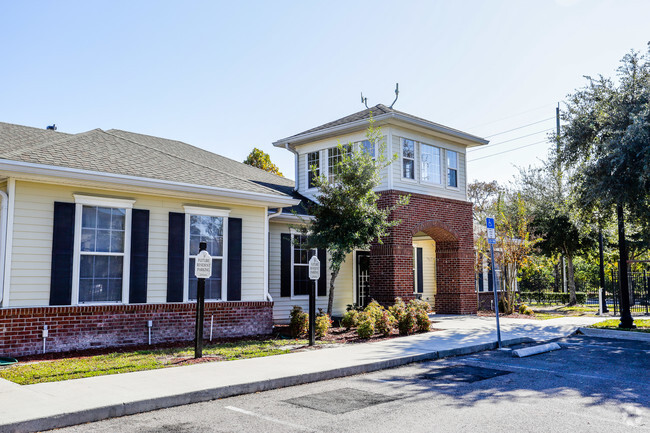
(122, 362)
(642, 325)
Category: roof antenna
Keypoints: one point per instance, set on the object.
(364, 100)
(396, 95)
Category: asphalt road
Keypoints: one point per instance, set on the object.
(590, 385)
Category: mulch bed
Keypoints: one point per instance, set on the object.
(335, 336)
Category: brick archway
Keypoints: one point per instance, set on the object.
(449, 223)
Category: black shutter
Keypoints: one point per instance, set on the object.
(139, 256)
(62, 253)
(175, 257)
(420, 271)
(322, 281)
(285, 264)
(234, 258)
(490, 279)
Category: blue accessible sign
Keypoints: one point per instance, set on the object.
(491, 234)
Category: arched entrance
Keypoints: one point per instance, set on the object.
(393, 264)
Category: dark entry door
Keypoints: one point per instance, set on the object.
(363, 278)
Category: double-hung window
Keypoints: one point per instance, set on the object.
(408, 159)
(301, 257)
(334, 159)
(210, 226)
(102, 250)
(313, 168)
(367, 147)
(430, 163)
(452, 168)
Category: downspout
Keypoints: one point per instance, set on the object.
(267, 295)
(4, 203)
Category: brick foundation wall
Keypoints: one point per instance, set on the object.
(84, 327)
(446, 221)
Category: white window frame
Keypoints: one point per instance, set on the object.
(447, 168)
(327, 157)
(293, 264)
(414, 159)
(213, 212)
(359, 146)
(440, 165)
(320, 167)
(87, 200)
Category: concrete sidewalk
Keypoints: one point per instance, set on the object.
(57, 404)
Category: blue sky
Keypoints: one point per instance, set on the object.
(229, 76)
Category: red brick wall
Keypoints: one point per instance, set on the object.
(449, 223)
(83, 327)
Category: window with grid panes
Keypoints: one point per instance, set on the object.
(101, 255)
(452, 168)
(408, 159)
(313, 168)
(430, 163)
(208, 229)
(301, 257)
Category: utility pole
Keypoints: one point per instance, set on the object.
(559, 188)
(601, 271)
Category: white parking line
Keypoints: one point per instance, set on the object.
(267, 418)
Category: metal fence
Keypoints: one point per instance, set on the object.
(639, 288)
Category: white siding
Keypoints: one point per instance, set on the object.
(282, 305)
(32, 244)
(428, 268)
(417, 186)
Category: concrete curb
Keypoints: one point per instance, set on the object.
(133, 407)
(611, 333)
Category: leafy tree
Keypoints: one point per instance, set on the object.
(606, 142)
(554, 219)
(346, 216)
(258, 158)
(483, 196)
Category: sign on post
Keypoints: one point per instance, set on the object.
(314, 275)
(491, 234)
(314, 268)
(203, 265)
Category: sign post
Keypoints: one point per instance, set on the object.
(314, 275)
(202, 270)
(491, 235)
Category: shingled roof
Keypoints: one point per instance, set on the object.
(128, 153)
(378, 112)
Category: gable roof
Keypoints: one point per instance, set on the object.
(379, 112)
(130, 154)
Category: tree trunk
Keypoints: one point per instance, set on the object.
(626, 316)
(571, 282)
(330, 298)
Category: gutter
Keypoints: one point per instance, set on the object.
(4, 204)
(73, 173)
(359, 123)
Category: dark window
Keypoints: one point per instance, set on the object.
(313, 168)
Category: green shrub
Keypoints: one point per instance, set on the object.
(525, 309)
(398, 309)
(323, 323)
(384, 325)
(349, 319)
(552, 297)
(374, 309)
(365, 325)
(422, 321)
(406, 322)
(419, 305)
(299, 322)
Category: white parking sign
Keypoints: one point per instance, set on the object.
(314, 268)
(203, 265)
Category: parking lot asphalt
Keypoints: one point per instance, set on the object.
(589, 385)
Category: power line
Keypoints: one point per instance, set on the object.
(510, 117)
(509, 150)
(508, 141)
(520, 127)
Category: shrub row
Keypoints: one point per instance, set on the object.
(408, 318)
(552, 297)
(299, 323)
